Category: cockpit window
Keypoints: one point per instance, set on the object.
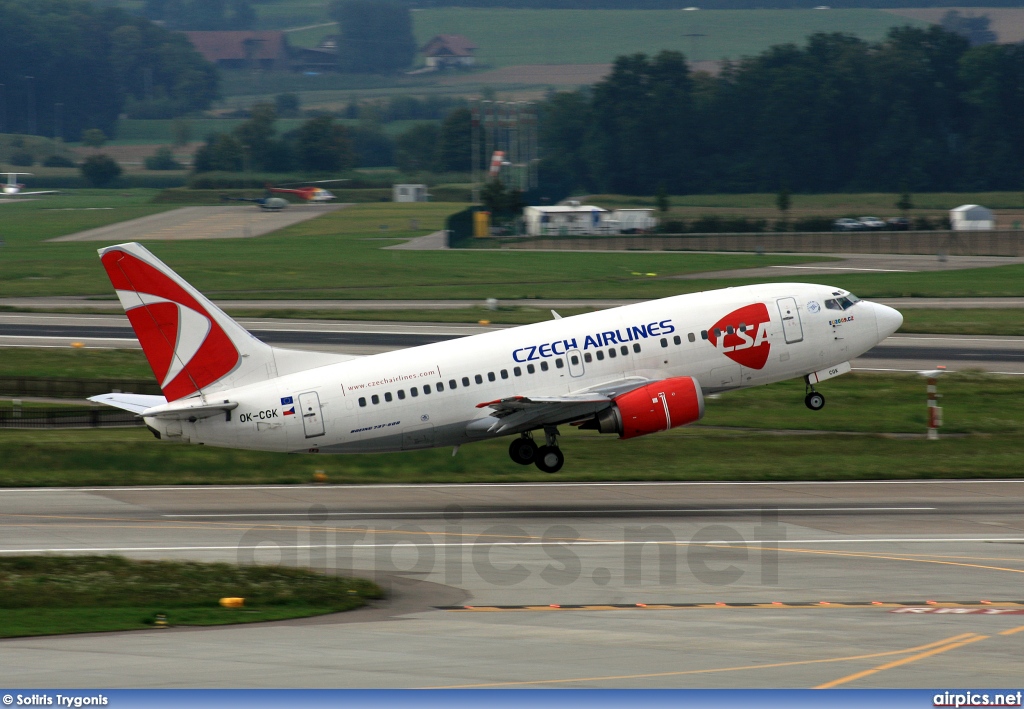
(842, 303)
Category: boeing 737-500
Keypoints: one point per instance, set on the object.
(626, 371)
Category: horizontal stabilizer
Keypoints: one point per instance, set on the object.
(196, 410)
(136, 403)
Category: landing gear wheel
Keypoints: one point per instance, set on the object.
(814, 401)
(549, 459)
(523, 451)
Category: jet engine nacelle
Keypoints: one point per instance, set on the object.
(652, 408)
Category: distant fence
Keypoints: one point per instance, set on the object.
(951, 243)
(81, 417)
(73, 388)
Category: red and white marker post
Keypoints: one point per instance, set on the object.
(934, 410)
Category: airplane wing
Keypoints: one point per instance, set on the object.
(25, 194)
(520, 413)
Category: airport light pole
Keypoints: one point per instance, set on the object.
(934, 410)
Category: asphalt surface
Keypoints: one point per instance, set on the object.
(885, 584)
(192, 223)
(899, 352)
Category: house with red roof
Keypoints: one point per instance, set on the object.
(449, 50)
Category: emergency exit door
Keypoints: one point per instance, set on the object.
(791, 326)
(312, 418)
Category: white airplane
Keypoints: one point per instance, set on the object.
(629, 371)
(12, 188)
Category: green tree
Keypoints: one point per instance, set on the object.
(100, 170)
(222, 152)
(162, 159)
(905, 203)
(287, 105)
(256, 136)
(661, 199)
(456, 141)
(783, 200)
(94, 138)
(417, 149)
(375, 36)
(323, 146)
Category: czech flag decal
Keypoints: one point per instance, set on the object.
(287, 401)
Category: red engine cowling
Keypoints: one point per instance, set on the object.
(652, 408)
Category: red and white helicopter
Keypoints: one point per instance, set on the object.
(12, 188)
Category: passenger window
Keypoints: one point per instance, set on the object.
(504, 374)
(543, 366)
(558, 363)
(600, 355)
(465, 381)
(414, 391)
(664, 342)
(575, 360)
(718, 333)
(703, 334)
(490, 376)
(624, 350)
(611, 353)
(517, 371)
(478, 379)
(440, 386)
(691, 338)
(729, 330)
(743, 327)
(530, 368)
(426, 388)
(362, 401)
(587, 357)
(387, 396)
(451, 384)
(401, 393)
(677, 340)
(636, 347)
(375, 399)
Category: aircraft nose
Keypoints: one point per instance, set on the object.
(887, 320)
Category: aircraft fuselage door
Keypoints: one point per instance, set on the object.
(312, 418)
(575, 359)
(791, 326)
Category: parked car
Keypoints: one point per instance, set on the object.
(872, 223)
(847, 224)
(898, 223)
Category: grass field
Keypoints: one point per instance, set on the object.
(337, 254)
(868, 418)
(47, 595)
(511, 37)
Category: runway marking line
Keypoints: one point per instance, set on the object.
(902, 661)
(1012, 631)
(866, 555)
(774, 665)
(774, 605)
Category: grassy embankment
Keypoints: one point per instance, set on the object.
(748, 435)
(47, 595)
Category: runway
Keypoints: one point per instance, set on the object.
(859, 584)
(900, 352)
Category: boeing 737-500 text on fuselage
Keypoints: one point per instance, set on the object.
(627, 371)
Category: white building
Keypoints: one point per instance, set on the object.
(972, 217)
(567, 219)
(409, 193)
(631, 221)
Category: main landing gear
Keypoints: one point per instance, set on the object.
(815, 401)
(548, 457)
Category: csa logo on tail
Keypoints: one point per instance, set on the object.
(742, 336)
(185, 346)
